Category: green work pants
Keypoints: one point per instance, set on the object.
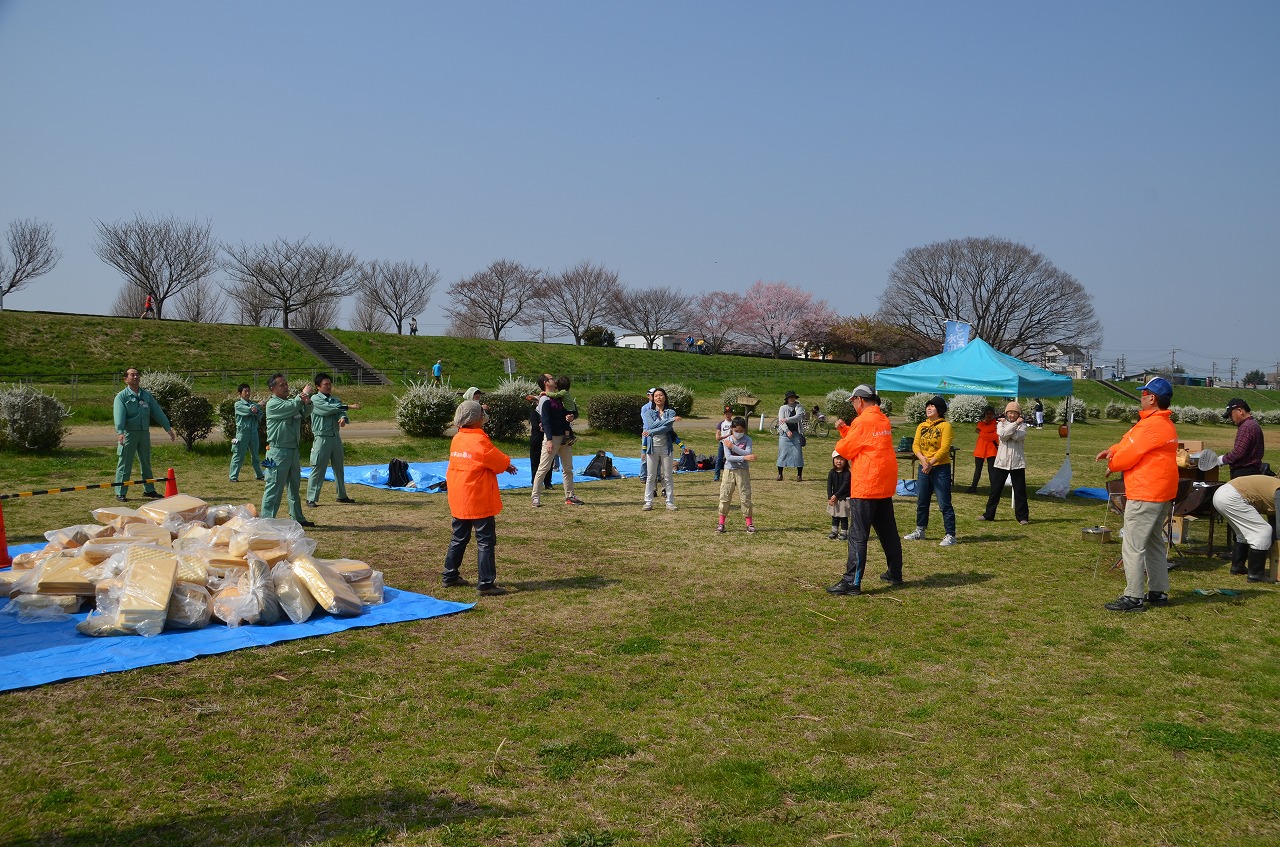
(285, 476)
(325, 451)
(136, 443)
(245, 444)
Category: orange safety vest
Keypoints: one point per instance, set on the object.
(472, 477)
(988, 442)
(1148, 456)
(868, 445)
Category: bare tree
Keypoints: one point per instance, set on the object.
(465, 325)
(318, 314)
(162, 256)
(496, 297)
(250, 305)
(292, 276)
(33, 254)
(713, 317)
(1015, 299)
(578, 298)
(368, 316)
(774, 315)
(650, 312)
(130, 301)
(202, 303)
(397, 289)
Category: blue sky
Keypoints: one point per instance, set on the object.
(700, 145)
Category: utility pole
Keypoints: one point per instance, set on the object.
(1234, 362)
(1173, 361)
(1214, 371)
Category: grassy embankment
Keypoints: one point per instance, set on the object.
(652, 683)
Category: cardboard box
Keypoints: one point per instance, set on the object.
(1180, 530)
(1194, 473)
(1191, 446)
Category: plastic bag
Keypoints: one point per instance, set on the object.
(190, 607)
(37, 608)
(370, 590)
(256, 583)
(294, 597)
(71, 537)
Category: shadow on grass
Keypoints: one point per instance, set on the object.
(945, 580)
(320, 525)
(360, 818)
(591, 581)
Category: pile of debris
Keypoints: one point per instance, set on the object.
(179, 563)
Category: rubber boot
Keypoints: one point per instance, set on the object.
(1239, 553)
(1257, 565)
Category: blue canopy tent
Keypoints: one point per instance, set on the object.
(978, 368)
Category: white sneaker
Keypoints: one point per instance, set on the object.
(915, 535)
(647, 507)
(671, 507)
(947, 541)
(536, 502)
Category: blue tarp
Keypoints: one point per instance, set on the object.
(426, 474)
(976, 368)
(42, 652)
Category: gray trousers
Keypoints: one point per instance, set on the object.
(1145, 548)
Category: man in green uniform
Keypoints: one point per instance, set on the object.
(328, 416)
(134, 409)
(283, 464)
(246, 440)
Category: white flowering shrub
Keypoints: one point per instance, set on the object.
(508, 407)
(168, 389)
(425, 410)
(1076, 407)
(913, 408)
(966, 408)
(31, 419)
(679, 398)
(838, 405)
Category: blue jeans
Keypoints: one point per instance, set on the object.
(486, 531)
(936, 481)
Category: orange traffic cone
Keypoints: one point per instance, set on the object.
(5, 559)
(170, 484)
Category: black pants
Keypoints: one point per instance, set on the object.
(977, 470)
(864, 516)
(486, 530)
(1019, 477)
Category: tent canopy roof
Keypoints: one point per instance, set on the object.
(976, 368)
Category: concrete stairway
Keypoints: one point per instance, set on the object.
(339, 359)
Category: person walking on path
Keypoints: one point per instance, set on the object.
(248, 413)
(737, 473)
(413, 326)
(148, 309)
(1245, 458)
(133, 410)
(328, 416)
(1010, 463)
(474, 501)
(873, 472)
(283, 463)
(932, 446)
(659, 421)
(984, 452)
(1147, 456)
(791, 436)
(437, 372)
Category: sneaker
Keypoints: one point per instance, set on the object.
(890, 578)
(720, 528)
(1124, 603)
(844, 536)
(454, 579)
(671, 507)
(573, 500)
(491, 589)
(1025, 523)
(844, 588)
(153, 495)
(1158, 598)
(306, 523)
(233, 479)
(536, 503)
(985, 518)
(947, 541)
(120, 498)
(915, 535)
(345, 500)
(751, 527)
(715, 478)
(647, 507)
(833, 535)
(311, 504)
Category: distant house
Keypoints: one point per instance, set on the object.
(1067, 359)
(667, 341)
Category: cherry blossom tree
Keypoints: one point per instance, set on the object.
(713, 317)
(774, 315)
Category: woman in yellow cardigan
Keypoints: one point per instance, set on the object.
(932, 446)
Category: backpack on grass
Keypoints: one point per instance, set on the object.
(398, 473)
(600, 466)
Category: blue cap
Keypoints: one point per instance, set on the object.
(1159, 387)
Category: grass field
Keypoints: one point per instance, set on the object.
(652, 683)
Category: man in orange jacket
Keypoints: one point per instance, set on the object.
(873, 469)
(474, 501)
(1147, 455)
